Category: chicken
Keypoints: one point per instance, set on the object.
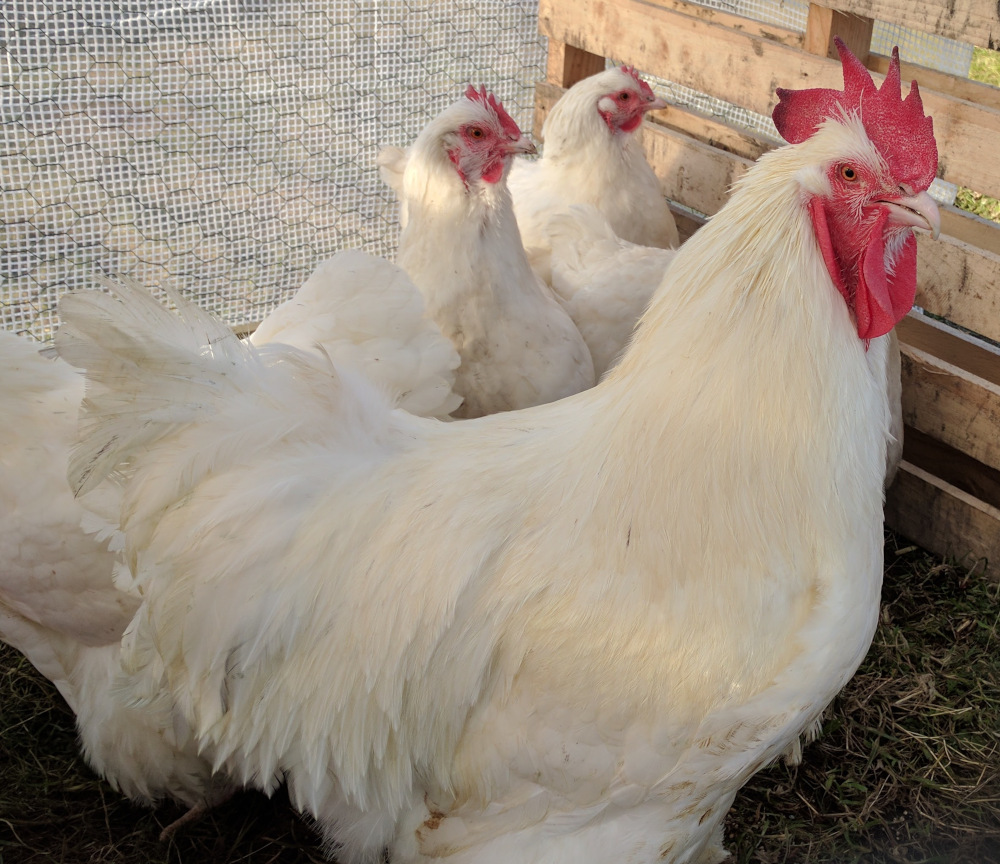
(592, 156)
(59, 601)
(563, 634)
(59, 604)
(462, 249)
(605, 282)
(367, 313)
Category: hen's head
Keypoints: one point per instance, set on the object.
(879, 157)
(621, 98)
(480, 137)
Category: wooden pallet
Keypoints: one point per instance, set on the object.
(947, 494)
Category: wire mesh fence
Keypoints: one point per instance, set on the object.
(227, 146)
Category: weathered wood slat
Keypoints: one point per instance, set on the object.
(969, 353)
(973, 21)
(567, 64)
(943, 519)
(745, 69)
(959, 282)
(953, 406)
(823, 24)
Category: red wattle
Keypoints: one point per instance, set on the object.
(493, 172)
(879, 301)
(632, 123)
(882, 300)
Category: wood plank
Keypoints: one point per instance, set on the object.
(687, 223)
(954, 407)
(762, 30)
(943, 519)
(972, 355)
(954, 467)
(697, 175)
(971, 229)
(823, 24)
(959, 282)
(974, 21)
(567, 64)
(745, 69)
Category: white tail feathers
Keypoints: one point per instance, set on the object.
(147, 370)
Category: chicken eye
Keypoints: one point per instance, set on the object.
(476, 132)
(848, 173)
(624, 95)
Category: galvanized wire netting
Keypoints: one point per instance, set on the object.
(223, 145)
(227, 146)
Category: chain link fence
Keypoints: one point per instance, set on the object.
(227, 146)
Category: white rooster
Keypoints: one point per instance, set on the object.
(592, 156)
(567, 634)
(59, 604)
(462, 248)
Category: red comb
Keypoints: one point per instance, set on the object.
(510, 128)
(644, 88)
(896, 126)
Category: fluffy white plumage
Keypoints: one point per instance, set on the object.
(592, 155)
(605, 282)
(59, 604)
(363, 311)
(567, 634)
(59, 601)
(461, 247)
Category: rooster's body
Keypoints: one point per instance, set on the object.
(565, 635)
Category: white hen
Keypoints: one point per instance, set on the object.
(592, 156)
(605, 282)
(462, 249)
(567, 634)
(363, 311)
(59, 604)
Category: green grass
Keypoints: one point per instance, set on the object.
(907, 769)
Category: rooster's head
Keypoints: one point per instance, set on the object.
(879, 158)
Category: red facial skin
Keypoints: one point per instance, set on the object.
(484, 153)
(484, 150)
(864, 230)
(864, 227)
(623, 113)
(629, 106)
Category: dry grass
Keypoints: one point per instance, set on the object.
(907, 769)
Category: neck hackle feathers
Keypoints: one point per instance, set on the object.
(484, 97)
(897, 127)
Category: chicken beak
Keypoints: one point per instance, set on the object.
(521, 146)
(655, 104)
(917, 211)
